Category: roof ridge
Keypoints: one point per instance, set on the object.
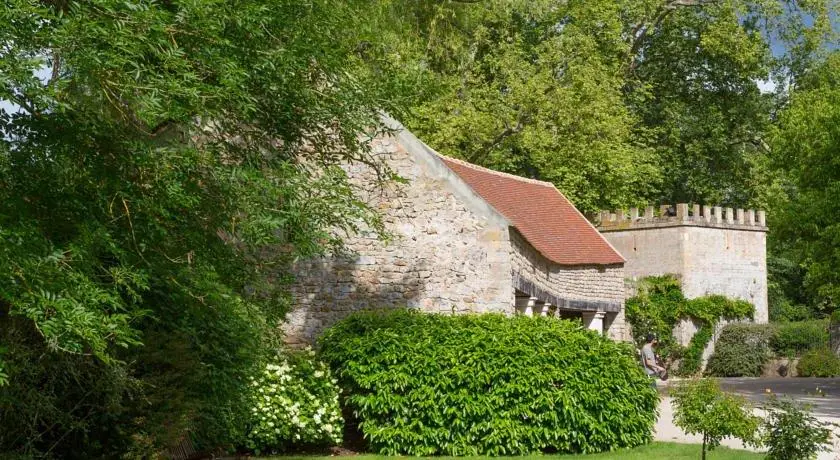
(493, 171)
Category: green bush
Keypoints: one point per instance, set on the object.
(294, 402)
(796, 338)
(700, 407)
(423, 384)
(820, 362)
(792, 432)
(660, 305)
(741, 350)
(786, 311)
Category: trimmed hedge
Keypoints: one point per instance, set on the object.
(425, 384)
(742, 348)
(741, 351)
(820, 362)
(797, 338)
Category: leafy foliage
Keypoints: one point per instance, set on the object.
(741, 350)
(294, 402)
(659, 305)
(821, 362)
(796, 338)
(700, 407)
(615, 102)
(792, 432)
(805, 143)
(163, 165)
(425, 384)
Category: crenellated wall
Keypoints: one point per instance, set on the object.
(683, 215)
(713, 250)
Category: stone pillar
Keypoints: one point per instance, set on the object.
(750, 217)
(634, 214)
(649, 212)
(594, 321)
(529, 308)
(525, 305)
(707, 213)
(739, 216)
(730, 216)
(718, 215)
(695, 212)
(621, 216)
(762, 218)
(605, 217)
(546, 306)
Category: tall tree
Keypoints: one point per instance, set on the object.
(616, 102)
(806, 145)
(150, 153)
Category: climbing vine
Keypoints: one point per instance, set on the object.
(660, 304)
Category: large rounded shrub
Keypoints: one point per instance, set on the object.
(798, 338)
(424, 384)
(741, 351)
(821, 362)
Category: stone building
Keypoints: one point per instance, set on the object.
(711, 250)
(460, 239)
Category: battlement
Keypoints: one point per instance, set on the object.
(683, 215)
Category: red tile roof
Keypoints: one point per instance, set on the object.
(548, 220)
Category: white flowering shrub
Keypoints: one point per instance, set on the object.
(295, 402)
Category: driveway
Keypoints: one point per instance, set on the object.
(822, 394)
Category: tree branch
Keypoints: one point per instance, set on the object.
(56, 69)
(641, 30)
(507, 132)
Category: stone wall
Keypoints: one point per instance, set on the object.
(579, 287)
(728, 262)
(712, 250)
(447, 252)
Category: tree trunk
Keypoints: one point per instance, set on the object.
(704, 448)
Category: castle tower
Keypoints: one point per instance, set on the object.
(712, 250)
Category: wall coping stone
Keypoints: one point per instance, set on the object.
(683, 216)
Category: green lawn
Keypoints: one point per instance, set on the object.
(655, 450)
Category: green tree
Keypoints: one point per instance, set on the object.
(700, 407)
(805, 147)
(616, 102)
(792, 432)
(162, 163)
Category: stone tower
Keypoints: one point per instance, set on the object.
(711, 249)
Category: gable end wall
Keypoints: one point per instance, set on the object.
(449, 252)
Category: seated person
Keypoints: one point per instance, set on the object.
(649, 358)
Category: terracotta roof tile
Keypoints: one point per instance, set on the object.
(548, 220)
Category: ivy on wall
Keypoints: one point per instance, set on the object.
(660, 304)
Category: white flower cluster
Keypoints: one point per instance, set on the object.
(295, 401)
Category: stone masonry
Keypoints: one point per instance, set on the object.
(712, 250)
(592, 283)
(444, 254)
(447, 251)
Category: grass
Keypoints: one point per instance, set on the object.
(663, 450)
